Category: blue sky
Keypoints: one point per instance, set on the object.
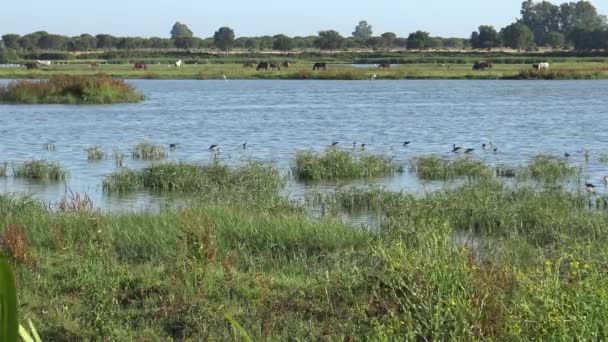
(455, 18)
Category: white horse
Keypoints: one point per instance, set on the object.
(179, 63)
(44, 63)
(542, 66)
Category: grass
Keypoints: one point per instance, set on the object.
(95, 153)
(336, 164)
(147, 151)
(4, 169)
(416, 68)
(550, 168)
(438, 168)
(72, 89)
(41, 170)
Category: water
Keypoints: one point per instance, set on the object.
(277, 118)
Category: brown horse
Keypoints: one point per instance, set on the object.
(483, 65)
(384, 65)
(31, 65)
(139, 66)
(262, 65)
(320, 65)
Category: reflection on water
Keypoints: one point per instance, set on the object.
(277, 118)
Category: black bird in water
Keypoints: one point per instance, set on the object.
(590, 187)
(456, 148)
(469, 150)
(355, 144)
(172, 147)
(567, 155)
(244, 146)
(363, 146)
(495, 149)
(335, 143)
(405, 143)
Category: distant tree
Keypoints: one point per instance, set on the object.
(517, 36)
(374, 42)
(88, 41)
(435, 43)
(485, 38)
(105, 41)
(224, 39)
(11, 41)
(418, 40)
(454, 43)
(282, 43)
(556, 40)
(329, 40)
(185, 43)
(180, 30)
(541, 18)
(129, 43)
(583, 39)
(401, 42)
(26, 43)
(52, 42)
(160, 43)
(388, 39)
(363, 30)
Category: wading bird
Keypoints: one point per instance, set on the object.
(456, 148)
(590, 187)
(335, 143)
(172, 146)
(469, 150)
(244, 146)
(405, 143)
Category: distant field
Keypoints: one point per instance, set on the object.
(303, 70)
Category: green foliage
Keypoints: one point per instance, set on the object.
(363, 30)
(95, 152)
(41, 170)
(146, 151)
(517, 36)
(550, 169)
(329, 40)
(180, 30)
(282, 43)
(418, 40)
(8, 303)
(437, 168)
(485, 38)
(224, 38)
(335, 164)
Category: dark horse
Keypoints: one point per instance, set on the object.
(274, 66)
(138, 66)
(31, 65)
(384, 65)
(321, 65)
(483, 65)
(248, 64)
(285, 65)
(262, 65)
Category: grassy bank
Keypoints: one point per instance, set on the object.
(445, 69)
(73, 89)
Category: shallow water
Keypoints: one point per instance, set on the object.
(277, 118)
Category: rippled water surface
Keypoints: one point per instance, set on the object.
(277, 118)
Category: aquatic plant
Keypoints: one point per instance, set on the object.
(549, 168)
(41, 169)
(4, 169)
(95, 153)
(438, 168)
(148, 151)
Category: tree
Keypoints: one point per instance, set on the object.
(388, 39)
(329, 40)
(485, 38)
(11, 41)
(185, 43)
(180, 30)
(517, 36)
(224, 38)
(363, 30)
(418, 40)
(105, 41)
(282, 43)
(556, 40)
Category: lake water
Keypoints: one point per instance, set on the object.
(277, 118)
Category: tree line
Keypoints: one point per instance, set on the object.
(542, 24)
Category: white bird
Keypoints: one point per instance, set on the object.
(225, 78)
(374, 76)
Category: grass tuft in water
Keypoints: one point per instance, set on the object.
(336, 164)
(550, 169)
(148, 151)
(438, 168)
(41, 169)
(4, 169)
(95, 153)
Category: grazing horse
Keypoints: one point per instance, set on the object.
(31, 65)
(262, 65)
(178, 64)
(285, 65)
(540, 66)
(44, 63)
(320, 65)
(483, 65)
(274, 66)
(384, 65)
(139, 66)
(248, 64)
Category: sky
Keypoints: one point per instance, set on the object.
(446, 18)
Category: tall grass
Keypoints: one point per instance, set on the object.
(335, 164)
(95, 153)
(438, 168)
(70, 90)
(41, 169)
(550, 168)
(148, 151)
(4, 169)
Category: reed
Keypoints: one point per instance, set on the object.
(42, 170)
(148, 151)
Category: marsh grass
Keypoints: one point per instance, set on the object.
(70, 90)
(4, 169)
(119, 157)
(148, 151)
(336, 164)
(438, 168)
(95, 153)
(50, 147)
(549, 168)
(42, 170)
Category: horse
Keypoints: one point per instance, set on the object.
(319, 65)
(540, 66)
(248, 64)
(274, 66)
(31, 66)
(178, 64)
(285, 65)
(44, 63)
(262, 65)
(139, 66)
(483, 65)
(93, 65)
(384, 65)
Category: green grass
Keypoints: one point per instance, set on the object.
(336, 164)
(416, 68)
(438, 168)
(72, 89)
(4, 169)
(41, 170)
(550, 168)
(95, 153)
(148, 151)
